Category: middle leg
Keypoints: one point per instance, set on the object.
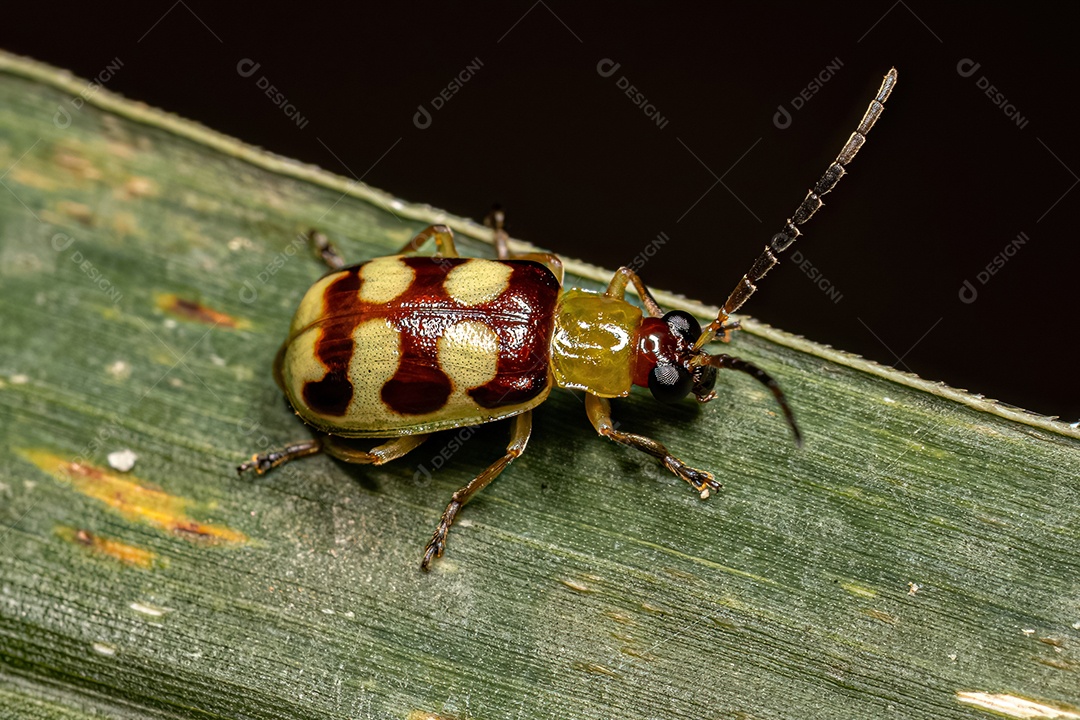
(520, 430)
(495, 220)
(617, 289)
(599, 412)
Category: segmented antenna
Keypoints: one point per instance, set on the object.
(782, 240)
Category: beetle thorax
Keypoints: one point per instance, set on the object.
(595, 342)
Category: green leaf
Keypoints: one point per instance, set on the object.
(917, 558)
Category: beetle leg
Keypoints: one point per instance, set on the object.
(599, 412)
(617, 289)
(390, 450)
(444, 241)
(266, 462)
(335, 447)
(519, 437)
(495, 220)
(327, 252)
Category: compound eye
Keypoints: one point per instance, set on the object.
(670, 383)
(684, 325)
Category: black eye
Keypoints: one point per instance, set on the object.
(670, 383)
(684, 325)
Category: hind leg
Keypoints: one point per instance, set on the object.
(334, 447)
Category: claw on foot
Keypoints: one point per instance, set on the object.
(701, 480)
(434, 549)
(259, 463)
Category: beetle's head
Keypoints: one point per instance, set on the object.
(667, 362)
(672, 367)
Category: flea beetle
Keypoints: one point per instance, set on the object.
(400, 347)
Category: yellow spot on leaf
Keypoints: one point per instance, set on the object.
(127, 496)
(114, 549)
(191, 310)
(860, 590)
(31, 178)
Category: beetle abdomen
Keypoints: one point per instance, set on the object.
(400, 345)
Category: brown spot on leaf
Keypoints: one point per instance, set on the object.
(425, 715)
(197, 312)
(140, 187)
(76, 211)
(595, 669)
(132, 498)
(577, 586)
(882, 616)
(76, 165)
(619, 617)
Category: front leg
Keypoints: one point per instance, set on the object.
(599, 411)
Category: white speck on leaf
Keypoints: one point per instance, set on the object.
(104, 648)
(147, 609)
(122, 460)
(119, 370)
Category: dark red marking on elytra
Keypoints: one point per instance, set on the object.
(522, 370)
(342, 312)
(522, 317)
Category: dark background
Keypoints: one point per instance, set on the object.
(945, 183)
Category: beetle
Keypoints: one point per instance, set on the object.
(399, 347)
